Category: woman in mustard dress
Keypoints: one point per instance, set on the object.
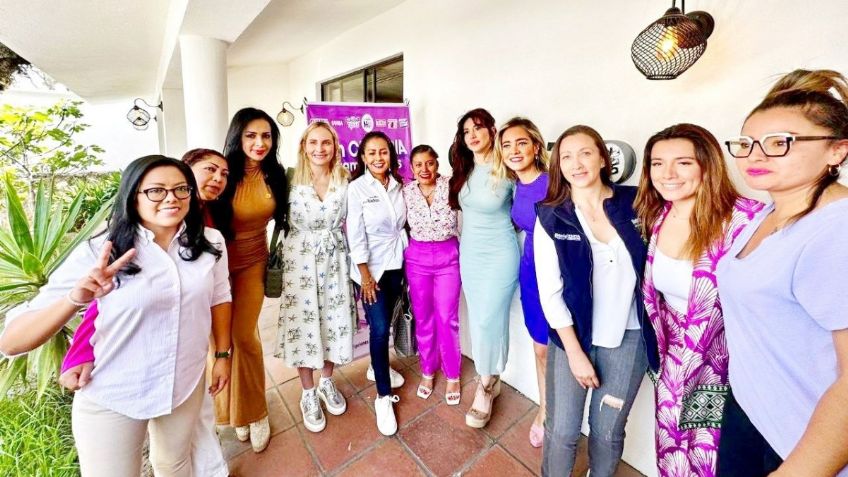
(255, 194)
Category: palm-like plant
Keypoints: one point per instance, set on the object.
(29, 252)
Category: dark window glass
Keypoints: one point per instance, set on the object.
(380, 83)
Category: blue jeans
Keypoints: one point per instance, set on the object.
(379, 317)
(620, 371)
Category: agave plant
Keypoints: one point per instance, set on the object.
(29, 252)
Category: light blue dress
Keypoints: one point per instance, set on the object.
(488, 263)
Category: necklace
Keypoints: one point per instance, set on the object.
(428, 194)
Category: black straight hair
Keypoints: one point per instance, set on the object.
(394, 165)
(275, 176)
(122, 224)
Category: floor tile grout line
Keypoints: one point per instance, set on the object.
(413, 455)
(361, 455)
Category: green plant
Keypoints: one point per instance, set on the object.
(39, 143)
(29, 253)
(36, 438)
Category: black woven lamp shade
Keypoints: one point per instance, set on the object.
(670, 45)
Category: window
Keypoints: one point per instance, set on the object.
(379, 83)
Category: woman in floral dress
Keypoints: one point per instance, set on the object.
(315, 329)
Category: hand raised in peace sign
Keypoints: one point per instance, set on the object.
(99, 281)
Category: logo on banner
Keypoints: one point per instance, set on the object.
(367, 123)
(318, 120)
(403, 122)
(337, 123)
(392, 123)
(381, 123)
(353, 122)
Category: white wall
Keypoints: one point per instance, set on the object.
(266, 87)
(562, 63)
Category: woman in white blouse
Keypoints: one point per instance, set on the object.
(161, 284)
(376, 215)
(590, 259)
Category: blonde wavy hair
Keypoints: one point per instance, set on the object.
(499, 169)
(302, 171)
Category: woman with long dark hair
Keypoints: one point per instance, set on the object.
(210, 170)
(161, 284)
(376, 215)
(691, 213)
(488, 253)
(782, 287)
(255, 194)
(590, 258)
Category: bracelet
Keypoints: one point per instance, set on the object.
(222, 354)
(78, 304)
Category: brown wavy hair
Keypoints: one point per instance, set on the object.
(193, 156)
(714, 198)
(559, 190)
(460, 158)
(810, 93)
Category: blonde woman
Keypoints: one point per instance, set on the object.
(523, 158)
(315, 330)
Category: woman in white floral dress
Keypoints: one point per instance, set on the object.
(316, 325)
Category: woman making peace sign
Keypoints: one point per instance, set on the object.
(160, 280)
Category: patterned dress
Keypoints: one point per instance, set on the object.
(692, 382)
(316, 309)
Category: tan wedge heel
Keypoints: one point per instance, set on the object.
(478, 419)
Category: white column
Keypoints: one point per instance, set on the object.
(173, 138)
(204, 71)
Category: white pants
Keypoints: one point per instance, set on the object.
(110, 444)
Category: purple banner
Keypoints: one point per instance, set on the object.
(353, 120)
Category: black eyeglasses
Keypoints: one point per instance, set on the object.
(772, 145)
(158, 194)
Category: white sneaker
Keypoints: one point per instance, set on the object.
(396, 377)
(386, 422)
(242, 433)
(313, 415)
(332, 398)
(260, 434)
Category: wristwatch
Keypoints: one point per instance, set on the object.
(222, 354)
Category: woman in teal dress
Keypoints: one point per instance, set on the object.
(488, 253)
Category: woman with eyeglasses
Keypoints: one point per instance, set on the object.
(256, 193)
(691, 214)
(782, 287)
(210, 171)
(161, 284)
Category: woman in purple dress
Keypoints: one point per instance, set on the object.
(692, 214)
(521, 150)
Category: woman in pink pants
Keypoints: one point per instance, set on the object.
(432, 269)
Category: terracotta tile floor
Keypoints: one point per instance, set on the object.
(432, 439)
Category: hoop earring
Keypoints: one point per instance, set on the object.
(833, 170)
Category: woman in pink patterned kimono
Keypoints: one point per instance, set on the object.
(691, 213)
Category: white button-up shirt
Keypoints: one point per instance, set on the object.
(152, 332)
(613, 285)
(375, 220)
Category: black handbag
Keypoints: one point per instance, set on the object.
(403, 326)
(274, 267)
